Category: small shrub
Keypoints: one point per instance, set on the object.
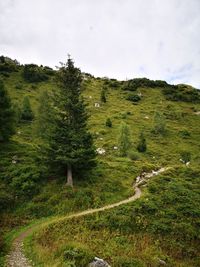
(27, 113)
(19, 85)
(185, 156)
(103, 96)
(133, 98)
(77, 256)
(133, 155)
(34, 73)
(123, 115)
(159, 124)
(142, 146)
(124, 262)
(184, 134)
(108, 122)
(34, 86)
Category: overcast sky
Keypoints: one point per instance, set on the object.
(158, 39)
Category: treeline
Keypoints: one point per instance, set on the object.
(171, 92)
(30, 72)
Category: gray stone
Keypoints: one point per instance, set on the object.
(162, 262)
(99, 263)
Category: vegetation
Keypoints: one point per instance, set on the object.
(108, 122)
(163, 225)
(103, 96)
(6, 115)
(26, 113)
(142, 146)
(133, 98)
(71, 145)
(33, 73)
(159, 124)
(124, 139)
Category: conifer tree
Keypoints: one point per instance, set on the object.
(27, 113)
(142, 146)
(71, 144)
(124, 139)
(7, 117)
(103, 96)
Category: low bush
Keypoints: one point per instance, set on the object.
(184, 134)
(109, 123)
(133, 155)
(133, 98)
(77, 255)
(185, 156)
(34, 73)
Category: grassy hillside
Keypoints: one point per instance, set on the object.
(163, 224)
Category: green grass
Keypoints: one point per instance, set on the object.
(110, 182)
(163, 225)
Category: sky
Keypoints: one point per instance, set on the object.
(123, 39)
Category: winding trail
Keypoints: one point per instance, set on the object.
(16, 257)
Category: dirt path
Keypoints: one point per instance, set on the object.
(16, 258)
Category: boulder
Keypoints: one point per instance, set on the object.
(99, 263)
(162, 262)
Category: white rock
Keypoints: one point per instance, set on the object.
(115, 147)
(97, 105)
(162, 262)
(101, 151)
(138, 179)
(101, 138)
(187, 163)
(146, 117)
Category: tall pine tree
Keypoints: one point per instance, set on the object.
(7, 117)
(71, 145)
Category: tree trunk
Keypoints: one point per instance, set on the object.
(69, 175)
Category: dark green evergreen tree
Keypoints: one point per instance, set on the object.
(7, 116)
(103, 96)
(142, 146)
(27, 113)
(108, 122)
(71, 145)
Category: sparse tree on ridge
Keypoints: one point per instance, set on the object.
(71, 144)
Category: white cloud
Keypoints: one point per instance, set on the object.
(116, 38)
